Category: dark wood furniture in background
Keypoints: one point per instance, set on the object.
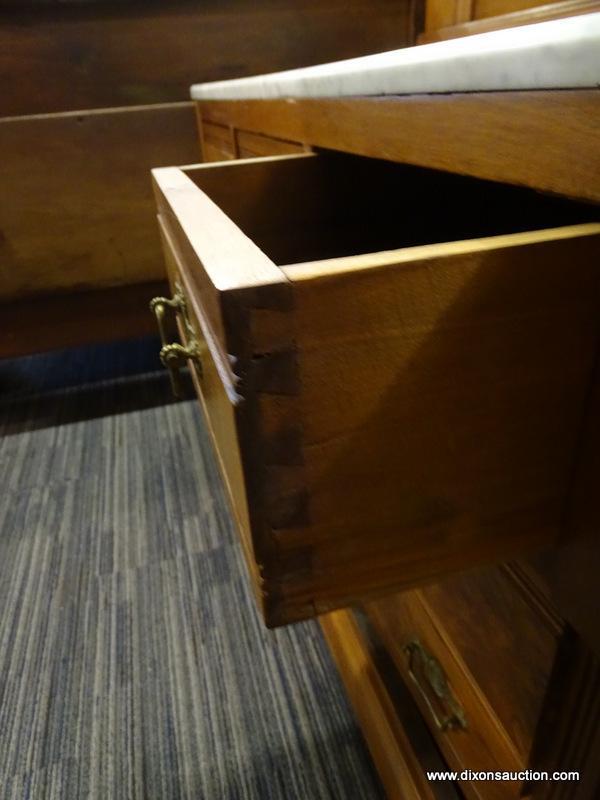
(76, 214)
(76, 246)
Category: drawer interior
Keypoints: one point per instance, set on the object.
(331, 205)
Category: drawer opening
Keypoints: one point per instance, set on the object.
(326, 206)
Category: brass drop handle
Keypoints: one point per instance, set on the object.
(426, 671)
(159, 306)
(172, 354)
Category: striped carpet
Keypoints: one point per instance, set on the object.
(132, 661)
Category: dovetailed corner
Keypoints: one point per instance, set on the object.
(276, 373)
(270, 331)
(289, 511)
(283, 446)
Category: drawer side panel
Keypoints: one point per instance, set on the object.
(441, 404)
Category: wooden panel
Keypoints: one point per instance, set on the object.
(252, 145)
(507, 639)
(112, 54)
(394, 398)
(215, 386)
(570, 732)
(483, 745)
(222, 143)
(439, 14)
(76, 206)
(566, 696)
(386, 737)
(218, 142)
(212, 153)
(236, 291)
(68, 320)
(442, 13)
(557, 130)
(484, 22)
(570, 572)
(492, 8)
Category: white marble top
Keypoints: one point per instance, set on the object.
(563, 53)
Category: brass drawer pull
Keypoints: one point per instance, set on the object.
(159, 306)
(427, 673)
(172, 354)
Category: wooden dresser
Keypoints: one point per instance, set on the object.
(393, 328)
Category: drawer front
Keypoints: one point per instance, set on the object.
(497, 642)
(403, 406)
(459, 715)
(401, 747)
(507, 638)
(213, 379)
(249, 432)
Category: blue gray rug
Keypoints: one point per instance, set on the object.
(132, 661)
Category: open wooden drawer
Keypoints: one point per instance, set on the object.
(394, 364)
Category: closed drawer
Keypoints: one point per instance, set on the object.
(251, 145)
(406, 356)
(218, 142)
(401, 747)
(478, 652)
